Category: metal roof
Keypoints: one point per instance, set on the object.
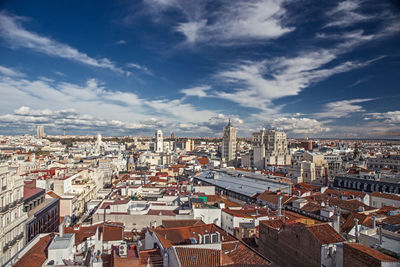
(241, 185)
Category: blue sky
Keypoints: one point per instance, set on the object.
(311, 68)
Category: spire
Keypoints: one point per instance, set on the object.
(229, 123)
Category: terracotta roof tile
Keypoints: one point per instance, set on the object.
(325, 234)
(181, 223)
(37, 255)
(198, 257)
(182, 235)
(383, 195)
(367, 254)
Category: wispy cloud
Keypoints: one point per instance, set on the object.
(121, 42)
(347, 13)
(10, 71)
(390, 117)
(343, 108)
(16, 36)
(257, 83)
(139, 67)
(199, 91)
(229, 22)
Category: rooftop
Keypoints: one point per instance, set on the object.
(242, 185)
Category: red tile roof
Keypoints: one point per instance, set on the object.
(37, 255)
(363, 219)
(383, 195)
(82, 233)
(202, 161)
(29, 191)
(272, 197)
(367, 254)
(182, 235)
(325, 234)
(198, 257)
(238, 253)
(181, 223)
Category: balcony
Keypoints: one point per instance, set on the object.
(13, 204)
(20, 236)
(4, 208)
(5, 248)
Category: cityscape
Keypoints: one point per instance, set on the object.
(180, 133)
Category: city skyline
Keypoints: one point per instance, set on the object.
(123, 68)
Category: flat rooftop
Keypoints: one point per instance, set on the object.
(62, 242)
(46, 202)
(242, 185)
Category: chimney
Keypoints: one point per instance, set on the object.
(279, 207)
(336, 222)
(356, 228)
(373, 222)
(380, 234)
(61, 227)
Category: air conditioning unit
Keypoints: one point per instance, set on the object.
(123, 250)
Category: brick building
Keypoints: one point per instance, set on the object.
(357, 255)
(297, 244)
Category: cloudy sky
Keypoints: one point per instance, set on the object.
(311, 68)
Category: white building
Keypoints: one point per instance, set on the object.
(12, 215)
(270, 148)
(159, 142)
(40, 131)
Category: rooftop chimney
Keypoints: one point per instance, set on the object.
(356, 228)
(380, 234)
(336, 222)
(280, 207)
(61, 227)
(373, 222)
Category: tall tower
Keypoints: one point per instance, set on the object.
(228, 151)
(40, 131)
(159, 141)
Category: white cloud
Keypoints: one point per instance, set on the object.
(9, 71)
(179, 110)
(17, 36)
(139, 67)
(299, 125)
(230, 22)
(343, 108)
(390, 117)
(54, 103)
(346, 14)
(256, 83)
(199, 91)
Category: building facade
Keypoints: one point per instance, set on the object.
(270, 148)
(40, 131)
(159, 142)
(228, 146)
(12, 215)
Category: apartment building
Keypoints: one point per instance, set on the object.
(12, 215)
